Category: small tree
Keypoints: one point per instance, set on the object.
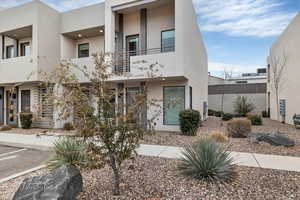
(227, 76)
(111, 133)
(277, 79)
(242, 106)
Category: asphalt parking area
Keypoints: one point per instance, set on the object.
(17, 160)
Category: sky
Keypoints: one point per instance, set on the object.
(237, 33)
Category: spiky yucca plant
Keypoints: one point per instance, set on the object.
(68, 151)
(207, 160)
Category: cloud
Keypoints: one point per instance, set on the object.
(259, 18)
(217, 68)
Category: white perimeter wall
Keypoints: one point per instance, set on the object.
(258, 100)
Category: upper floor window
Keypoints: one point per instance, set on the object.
(10, 51)
(83, 50)
(168, 40)
(25, 49)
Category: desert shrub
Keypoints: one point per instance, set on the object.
(256, 120)
(207, 160)
(26, 120)
(227, 117)
(190, 121)
(68, 151)
(238, 128)
(242, 106)
(218, 136)
(219, 113)
(5, 128)
(211, 112)
(265, 114)
(68, 126)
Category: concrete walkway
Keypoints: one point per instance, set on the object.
(244, 159)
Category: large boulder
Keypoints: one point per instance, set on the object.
(275, 139)
(62, 184)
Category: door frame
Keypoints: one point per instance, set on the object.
(16, 122)
(127, 40)
(2, 93)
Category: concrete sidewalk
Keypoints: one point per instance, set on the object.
(244, 159)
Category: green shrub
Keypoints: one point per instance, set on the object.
(242, 106)
(5, 128)
(68, 126)
(207, 160)
(26, 120)
(256, 120)
(190, 121)
(227, 117)
(265, 114)
(68, 151)
(238, 128)
(219, 113)
(211, 112)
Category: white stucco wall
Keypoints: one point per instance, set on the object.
(258, 100)
(287, 44)
(191, 52)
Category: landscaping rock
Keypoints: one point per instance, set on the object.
(275, 139)
(62, 184)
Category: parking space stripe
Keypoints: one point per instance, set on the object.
(12, 152)
(22, 173)
(8, 158)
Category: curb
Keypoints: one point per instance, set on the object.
(27, 146)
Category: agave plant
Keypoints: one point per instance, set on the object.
(207, 160)
(68, 151)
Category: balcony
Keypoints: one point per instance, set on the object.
(137, 64)
(17, 62)
(18, 69)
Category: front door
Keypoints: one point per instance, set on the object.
(12, 107)
(132, 45)
(1, 106)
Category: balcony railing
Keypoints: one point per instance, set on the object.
(122, 58)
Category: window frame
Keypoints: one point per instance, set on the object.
(22, 48)
(7, 47)
(164, 109)
(22, 101)
(161, 40)
(78, 49)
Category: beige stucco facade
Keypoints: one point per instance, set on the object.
(105, 27)
(287, 46)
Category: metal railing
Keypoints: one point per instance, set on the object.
(122, 58)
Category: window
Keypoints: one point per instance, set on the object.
(241, 82)
(168, 40)
(25, 100)
(25, 49)
(173, 104)
(10, 50)
(83, 50)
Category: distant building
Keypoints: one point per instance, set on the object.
(223, 93)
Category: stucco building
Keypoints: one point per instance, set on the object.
(284, 54)
(36, 37)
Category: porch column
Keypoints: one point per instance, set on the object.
(120, 99)
(3, 47)
(144, 107)
(143, 31)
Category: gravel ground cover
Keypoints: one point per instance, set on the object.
(150, 178)
(239, 145)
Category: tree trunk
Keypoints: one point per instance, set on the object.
(277, 102)
(116, 189)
